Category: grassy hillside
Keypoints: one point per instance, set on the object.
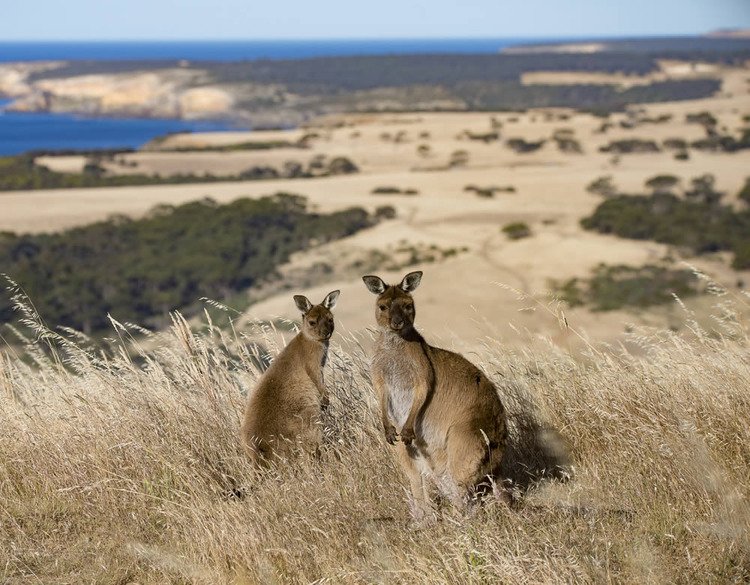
(112, 472)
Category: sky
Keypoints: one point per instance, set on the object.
(309, 19)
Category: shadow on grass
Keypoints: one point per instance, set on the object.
(536, 451)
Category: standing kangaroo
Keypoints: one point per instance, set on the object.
(448, 414)
(284, 410)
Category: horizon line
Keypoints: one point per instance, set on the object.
(581, 37)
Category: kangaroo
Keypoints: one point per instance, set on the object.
(284, 410)
(448, 414)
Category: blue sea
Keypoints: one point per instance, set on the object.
(24, 132)
(243, 50)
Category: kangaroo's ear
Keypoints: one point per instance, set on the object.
(303, 303)
(411, 281)
(374, 284)
(330, 301)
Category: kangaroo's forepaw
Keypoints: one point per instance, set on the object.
(407, 435)
(390, 434)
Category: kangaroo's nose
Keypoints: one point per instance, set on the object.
(397, 324)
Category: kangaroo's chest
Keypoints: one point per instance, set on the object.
(400, 375)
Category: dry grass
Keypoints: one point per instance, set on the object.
(122, 466)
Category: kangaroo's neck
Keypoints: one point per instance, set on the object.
(410, 335)
(313, 350)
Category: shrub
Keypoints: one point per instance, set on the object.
(675, 144)
(387, 190)
(489, 192)
(662, 183)
(603, 186)
(341, 165)
(486, 137)
(630, 146)
(385, 212)
(521, 146)
(459, 158)
(516, 230)
(568, 145)
(706, 119)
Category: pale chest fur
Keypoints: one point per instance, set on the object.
(399, 372)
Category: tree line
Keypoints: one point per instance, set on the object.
(139, 270)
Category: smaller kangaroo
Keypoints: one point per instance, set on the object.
(448, 414)
(284, 410)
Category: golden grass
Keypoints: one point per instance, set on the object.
(122, 466)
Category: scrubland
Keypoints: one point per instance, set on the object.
(122, 465)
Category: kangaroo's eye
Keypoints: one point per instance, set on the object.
(312, 322)
(383, 307)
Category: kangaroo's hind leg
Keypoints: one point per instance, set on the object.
(472, 459)
(417, 471)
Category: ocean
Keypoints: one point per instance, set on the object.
(244, 50)
(24, 132)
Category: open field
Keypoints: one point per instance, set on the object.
(115, 473)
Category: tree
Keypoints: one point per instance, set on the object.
(703, 190)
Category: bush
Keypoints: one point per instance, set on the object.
(706, 119)
(521, 146)
(662, 183)
(630, 146)
(603, 186)
(342, 166)
(459, 158)
(675, 144)
(489, 192)
(389, 190)
(385, 212)
(516, 230)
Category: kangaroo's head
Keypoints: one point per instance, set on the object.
(317, 320)
(394, 309)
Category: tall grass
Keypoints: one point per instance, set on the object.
(123, 465)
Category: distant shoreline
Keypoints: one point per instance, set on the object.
(288, 90)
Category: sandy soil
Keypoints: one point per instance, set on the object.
(460, 301)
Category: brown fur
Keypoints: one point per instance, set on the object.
(283, 413)
(447, 413)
